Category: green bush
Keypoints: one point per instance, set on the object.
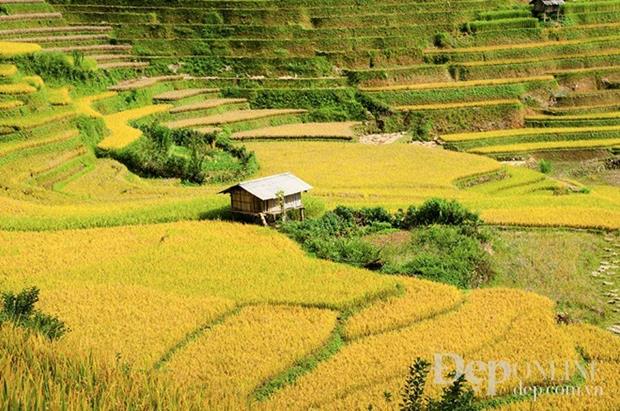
(192, 156)
(446, 254)
(19, 309)
(447, 243)
(443, 40)
(439, 211)
(458, 396)
(544, 166)
(337, 235)
(57, 67)
(92, 130)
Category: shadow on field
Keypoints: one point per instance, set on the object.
(221, 213)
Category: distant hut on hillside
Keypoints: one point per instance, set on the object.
(545, 8)
(268, 197)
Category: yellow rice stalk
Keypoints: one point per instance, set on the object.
(548, 145)
(488, 317)
(12, 49)
(21, 145)
(121, 133)
(447, 106)
(59, 96)
(84, 104)
(7, 105)
(602, 394)
(305, 130)
(134, 323)
(535, 60)
(7, 70)
(531, 45)
(230, 361)
(596, 343)
(531, 337)
(591, 116)
(34, 81)
(246, 264)
(17, 88)
(524, 132)
(460, 84)
(231, 117)
(422, 299)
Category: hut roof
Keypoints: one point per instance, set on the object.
(267, 188)
(549, 2)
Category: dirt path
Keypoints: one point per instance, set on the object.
(380, 139)
(391, 138)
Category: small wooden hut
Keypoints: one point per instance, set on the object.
(268, 197)
(546, 8)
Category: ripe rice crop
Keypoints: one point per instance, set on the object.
(233, 358)
(342, 130)
(596, 343)
(447, 106)
(555, 215)
(7, 70)
(350, 167)
(121, 133)
(591, 116)
(548, 145)
(20, 145)
(531, 45)
(564, 57)
(133, 323)
(231, 117)
(206, 104)
(459, 84)
(482, 321)
(41, 373)
(11, 49)
(35, 120)
(84, 104)
(532, 336)
(59, 96)
(421, 300)
(7, 105)
(602, 394)
(184, 93)
(253, 264)
(487, 135)
(17, 88)
(396, 176)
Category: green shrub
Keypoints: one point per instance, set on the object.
(544, 166)
(57, 67)
(20, 310)
(337, 235)
(452, 253)
(192, 156)
(439, 211)
(92, 130)
(446, 254)
(421, 127)
(443, 40)
(458, 396)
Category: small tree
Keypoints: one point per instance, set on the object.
(456, 397)
(413, 391)
(544, 166)
(196, 163)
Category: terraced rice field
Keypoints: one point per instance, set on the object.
(319, 131)
(170, 306)
(121, 134)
